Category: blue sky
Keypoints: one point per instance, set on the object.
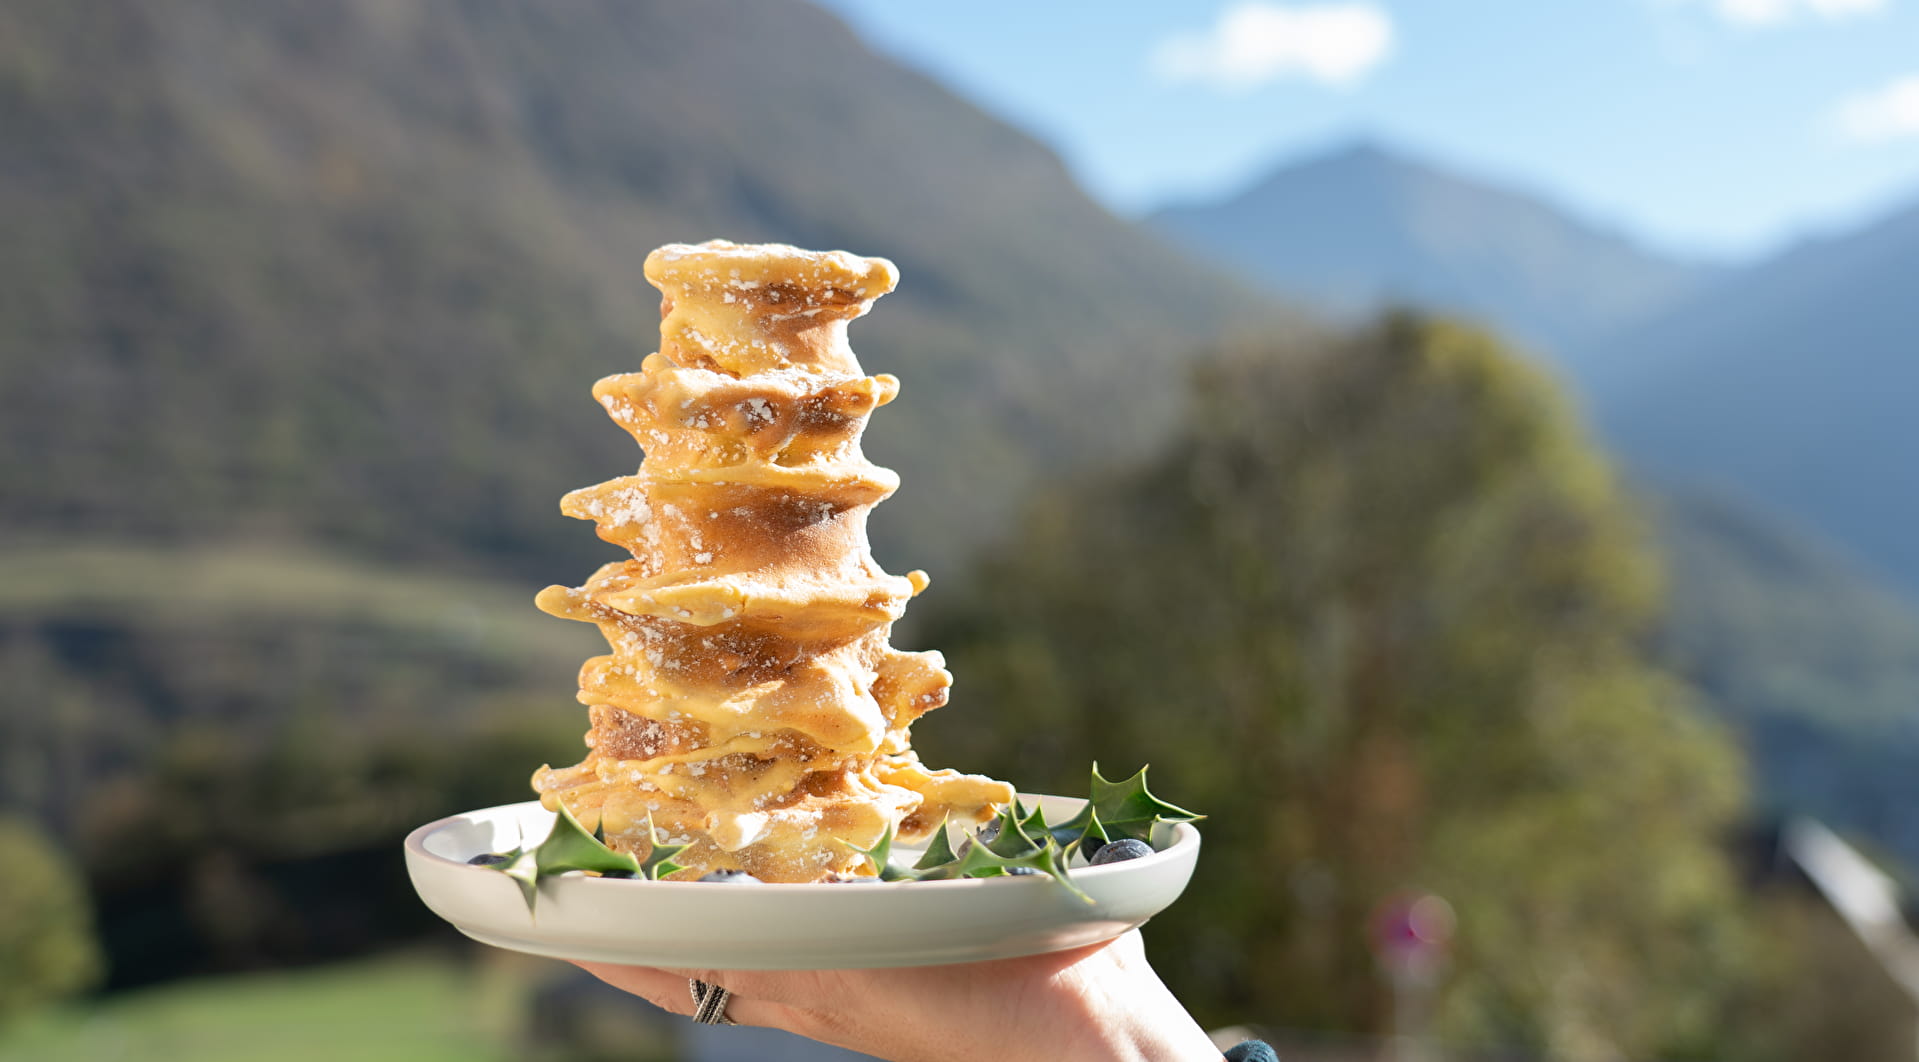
(1716, 128)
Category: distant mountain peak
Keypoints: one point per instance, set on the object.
(1366, 223)
(1365, 148)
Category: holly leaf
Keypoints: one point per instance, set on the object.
(939, 851)
(1014, 839)
(523, 867)
(1014, 847)
(1032, 822)
(1075, 831)
(567, 847)
(879, 858)
(980, 861)
(1129, 809)
(570, 847)
(659, 859)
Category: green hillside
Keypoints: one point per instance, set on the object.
(1815, 664)
(348, 271)
(270, 585)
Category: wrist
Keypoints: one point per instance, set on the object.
(1169, 1034)
(1141, 1018)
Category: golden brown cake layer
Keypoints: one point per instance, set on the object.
(751, 705)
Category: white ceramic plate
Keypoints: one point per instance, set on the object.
(782, 927)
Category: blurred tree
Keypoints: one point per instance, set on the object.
(46, 931)
(1379, 612)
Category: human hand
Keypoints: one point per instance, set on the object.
(1100, 1002)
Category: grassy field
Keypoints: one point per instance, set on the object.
(267, 584)
(404, 1009)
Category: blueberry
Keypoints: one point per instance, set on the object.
(618, 874)
(732, 877)
(489, 859)
(987, 835)
(1089, 846)
(1021, 871)
(1121, 851)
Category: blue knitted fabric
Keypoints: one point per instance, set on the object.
(1252, 1051)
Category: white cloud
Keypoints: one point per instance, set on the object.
(1780, 12)
(1255, 43)
(1889, 112)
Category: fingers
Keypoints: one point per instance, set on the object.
(776, 986)
(662, 989)
(670, 990)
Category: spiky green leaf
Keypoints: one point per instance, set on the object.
(659, 860)
(1075, 831)
(939, 850)
(523, 867)
(1129, 809)
(570, 847)
(1013, 839)
(980, 861)
(1032, 823)
(879, 858)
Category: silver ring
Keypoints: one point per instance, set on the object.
(709, 1003)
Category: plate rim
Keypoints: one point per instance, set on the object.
(1183, 835)
(1162, 876)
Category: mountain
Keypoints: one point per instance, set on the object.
(1791, 383)
(1365, 225)
(1811, 661)
(346, 272)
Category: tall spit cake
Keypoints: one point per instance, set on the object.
(751, 704)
